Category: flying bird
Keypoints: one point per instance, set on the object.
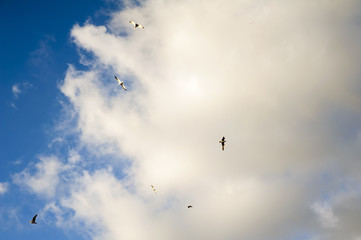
(120, 83)
(222, 142)
(153, 189)
(190, 206)
(32, 221)
(136, 25)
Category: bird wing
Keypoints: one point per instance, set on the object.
(123, 86)
(132, 22)
(153, 189)
(34, 217)
(117, 79)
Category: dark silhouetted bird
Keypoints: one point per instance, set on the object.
(32, 221)
(190, 206)
(222, 142)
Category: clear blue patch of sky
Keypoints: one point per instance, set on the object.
(36, 48)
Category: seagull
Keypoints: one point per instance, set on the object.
(153, 189)
(120, 83)
(32, 221)
(222, 142)
(190, 206)
(136, 25)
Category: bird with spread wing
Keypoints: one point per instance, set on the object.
(32, 221)
(136, 25)
(121, 83)
(155, 192)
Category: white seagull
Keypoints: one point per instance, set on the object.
(155, 192)
(136, 25)
(120, 83)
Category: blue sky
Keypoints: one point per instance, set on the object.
(37, 48)
(280, 80)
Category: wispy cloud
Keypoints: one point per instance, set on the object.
(16, 90)
(3, 188)
(54, 141)
(19, 88)
(17, 162)
(13, 106)
(42, 56)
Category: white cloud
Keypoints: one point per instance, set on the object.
(74, 157)
(325, 215)
(55, 140)
(44, 179)
(3, 188)
(18, 89)
(340, 215)
(282, 90)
